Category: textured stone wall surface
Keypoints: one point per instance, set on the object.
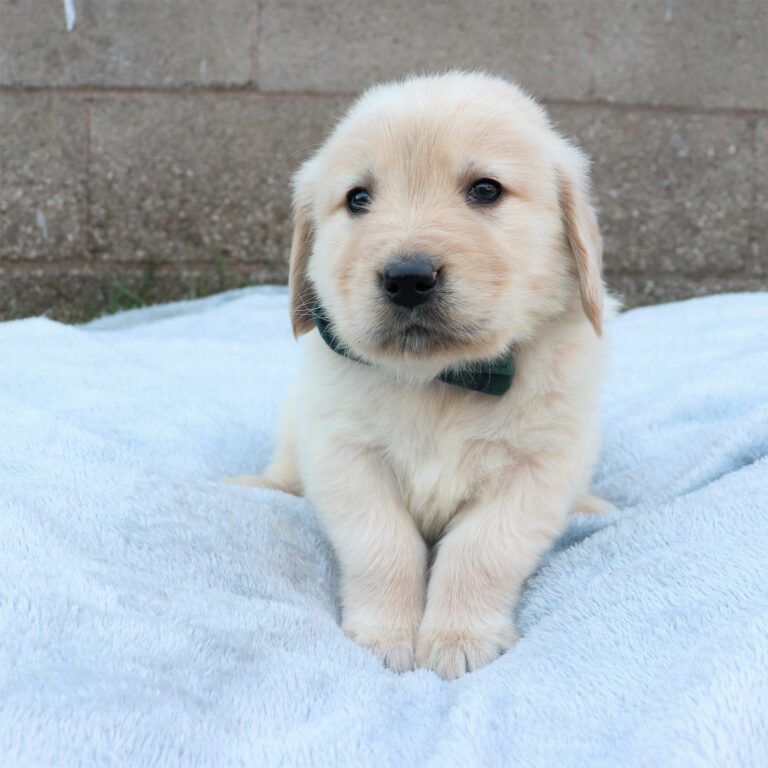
(146, 146)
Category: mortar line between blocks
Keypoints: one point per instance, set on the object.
(755, 262)
(246, 265)
(254, 44)
(249, 91)
(85, 181)
(592, 48)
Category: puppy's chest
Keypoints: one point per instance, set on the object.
(440, 461)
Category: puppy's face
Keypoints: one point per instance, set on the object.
(441, 222)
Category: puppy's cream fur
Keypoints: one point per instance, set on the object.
(395, 462)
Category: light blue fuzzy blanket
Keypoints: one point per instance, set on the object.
(150, 615)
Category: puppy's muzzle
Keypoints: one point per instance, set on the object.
(410, 280)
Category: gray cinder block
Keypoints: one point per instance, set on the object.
(142, 42)
(41, 177)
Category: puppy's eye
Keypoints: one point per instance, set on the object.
(484, 192)
(358, 200)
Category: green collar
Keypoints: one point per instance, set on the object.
(490, 378)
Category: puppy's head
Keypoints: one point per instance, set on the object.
(443, 220)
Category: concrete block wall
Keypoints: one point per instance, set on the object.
(146, 146)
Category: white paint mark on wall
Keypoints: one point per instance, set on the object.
(203, 66)
(43, 224)
(69, 13)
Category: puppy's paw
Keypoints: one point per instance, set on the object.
(257, 481)
(452, 653)
(395, 650)
(589, 504)
(260, 481)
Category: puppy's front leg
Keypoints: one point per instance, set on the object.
(481, 562)
(381, 553)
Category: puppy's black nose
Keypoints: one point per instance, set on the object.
(409, 281)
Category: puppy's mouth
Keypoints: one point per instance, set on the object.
(418, 332)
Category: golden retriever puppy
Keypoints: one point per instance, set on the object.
(446, 271)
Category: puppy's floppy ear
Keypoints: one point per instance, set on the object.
(302, 294)
(582, 232)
